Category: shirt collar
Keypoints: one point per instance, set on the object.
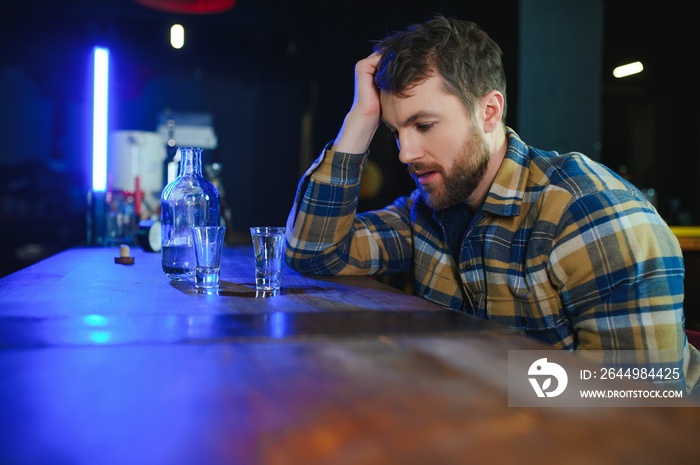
(508, 189)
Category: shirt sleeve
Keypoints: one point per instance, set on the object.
(325, 235)
(633, 297)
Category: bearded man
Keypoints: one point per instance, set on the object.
(557, 246)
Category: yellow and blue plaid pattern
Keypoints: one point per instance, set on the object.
(563, 249)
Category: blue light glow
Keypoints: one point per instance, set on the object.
(100, 337)
(278, 324)
(95, 320)
(100, 107)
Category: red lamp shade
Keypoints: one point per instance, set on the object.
(189, 6)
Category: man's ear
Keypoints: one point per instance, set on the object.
(491, 110)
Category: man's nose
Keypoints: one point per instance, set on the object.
(409, 150)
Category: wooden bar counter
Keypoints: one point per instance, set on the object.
(104, 363)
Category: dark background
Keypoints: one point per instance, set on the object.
(266, 65)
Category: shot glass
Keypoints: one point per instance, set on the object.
(208, 245)
(268, 246)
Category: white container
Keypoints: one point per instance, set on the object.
(135, 154)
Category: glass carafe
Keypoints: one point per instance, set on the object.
(189, 200)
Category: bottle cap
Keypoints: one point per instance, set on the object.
(124, 258)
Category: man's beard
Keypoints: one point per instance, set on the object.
(465, 175)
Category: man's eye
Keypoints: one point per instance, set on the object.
(424, 127)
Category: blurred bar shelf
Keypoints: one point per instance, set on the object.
(688, 237)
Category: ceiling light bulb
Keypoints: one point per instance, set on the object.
(628, 69)
(177, 36)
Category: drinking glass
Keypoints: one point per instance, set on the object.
(268, 246)
(208, 246)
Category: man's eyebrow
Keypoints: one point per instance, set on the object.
(421, 114)
(411, 119)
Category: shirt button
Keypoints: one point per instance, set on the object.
(467, 267)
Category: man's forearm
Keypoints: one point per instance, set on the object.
(356, 134)
(323, 212)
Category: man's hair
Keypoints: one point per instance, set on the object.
(466, 58)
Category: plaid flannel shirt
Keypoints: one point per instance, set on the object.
(563, 249)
